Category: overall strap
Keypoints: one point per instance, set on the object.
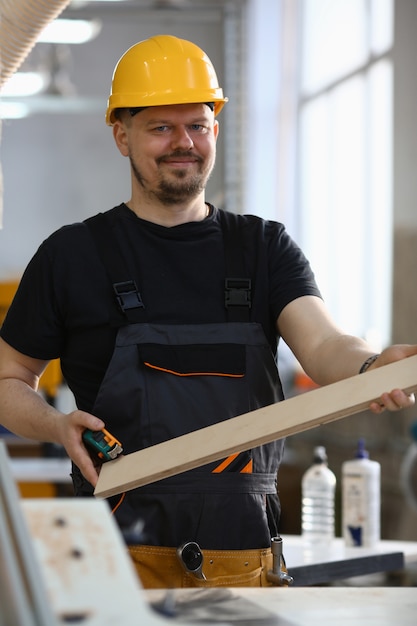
(238, 285)
(127, 297)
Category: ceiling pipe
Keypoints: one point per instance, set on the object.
(21, 22)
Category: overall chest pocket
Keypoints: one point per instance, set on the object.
(188, 387)
(224, 359)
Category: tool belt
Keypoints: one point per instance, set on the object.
(159, 567)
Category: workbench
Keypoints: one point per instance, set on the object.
(42, 477)
(41, 470)
(72, 557)
(61, 559)
(319, 606)
(332, 562)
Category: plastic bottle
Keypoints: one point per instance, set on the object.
(408, 473)
(318, 488)
(361, 500)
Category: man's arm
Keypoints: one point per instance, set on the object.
(24, 412)
(327, 354)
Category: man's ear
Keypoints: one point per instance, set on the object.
(216, 129)
(120, 137)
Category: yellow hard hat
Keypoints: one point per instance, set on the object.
(163, 70)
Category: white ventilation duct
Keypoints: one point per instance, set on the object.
(21, 22)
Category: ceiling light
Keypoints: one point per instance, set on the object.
(13, 110)
(82, 3)
(70, 31)
(24, 84)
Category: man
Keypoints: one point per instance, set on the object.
(166, 313)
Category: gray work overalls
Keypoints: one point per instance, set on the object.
(167, 380)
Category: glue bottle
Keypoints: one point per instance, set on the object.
(318, 488)
(361, 500)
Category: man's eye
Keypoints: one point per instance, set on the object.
(161, 129)
(197, 127)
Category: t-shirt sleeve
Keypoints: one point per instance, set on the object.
(290, 275)
(32, 323)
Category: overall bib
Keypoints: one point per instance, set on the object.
(164, 381)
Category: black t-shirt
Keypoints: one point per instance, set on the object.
(64, 307)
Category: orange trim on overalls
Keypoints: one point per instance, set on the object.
(225, 463)
(163, 369)
(247, 469)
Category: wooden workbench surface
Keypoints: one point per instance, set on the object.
(313, 606)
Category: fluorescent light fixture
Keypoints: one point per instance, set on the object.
(24, 84)
(70, 31)
(13, 110)
(82, 3)
(44, 104)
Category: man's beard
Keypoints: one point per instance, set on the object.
(174, 191)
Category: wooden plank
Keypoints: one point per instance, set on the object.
(302, 412)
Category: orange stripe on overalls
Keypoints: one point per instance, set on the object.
(225, 464)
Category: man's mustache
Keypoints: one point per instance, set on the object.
(180, 154)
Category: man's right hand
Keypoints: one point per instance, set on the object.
(70, 431)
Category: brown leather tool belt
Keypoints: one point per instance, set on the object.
(159, 567)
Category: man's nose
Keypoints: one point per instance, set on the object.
(182, 139)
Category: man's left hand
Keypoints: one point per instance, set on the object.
(396, 399)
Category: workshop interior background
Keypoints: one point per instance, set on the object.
(319, 133)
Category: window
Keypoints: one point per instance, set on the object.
(344, 164)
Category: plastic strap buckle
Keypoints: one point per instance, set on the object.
(238, 292)
(127, 295)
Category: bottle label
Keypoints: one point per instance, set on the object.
(360, 511)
